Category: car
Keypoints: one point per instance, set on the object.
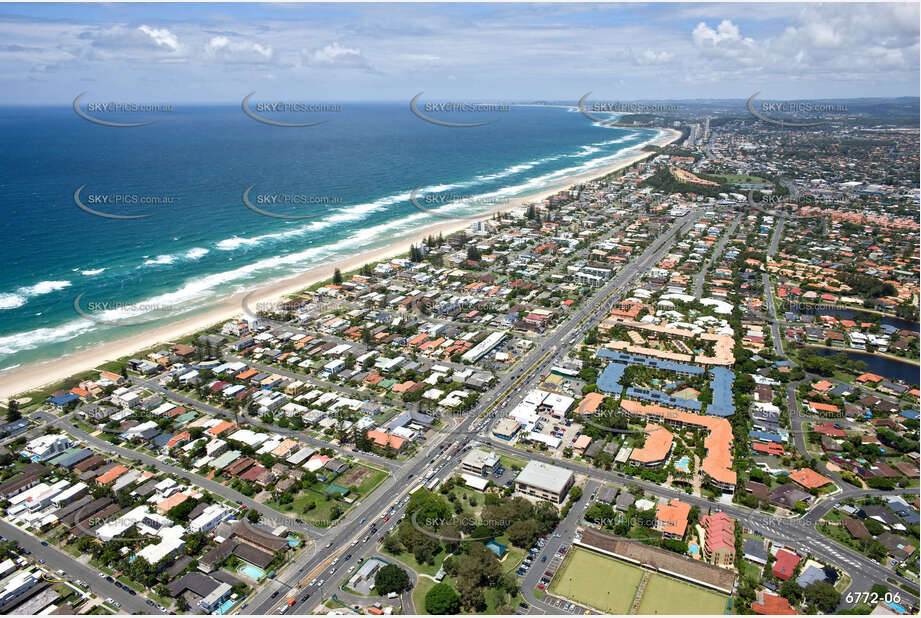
(380, 540)
(548, 573)
(541, 587)
(102, 575)
(351, 568)
(387, 518)
(321, 582)
(348, 557)
(149, 602)
(274, 594)
(300, 521)
(523, 605)
(117, 604)
(363, 520)
(132, 592)
(44, 543)
(543, 558)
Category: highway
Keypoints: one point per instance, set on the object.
(342, 539)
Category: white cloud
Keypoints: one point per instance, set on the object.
(237, 50)
(161, 36)
(336, 55)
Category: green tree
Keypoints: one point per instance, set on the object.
(391, 578)
(791, 591)
(442, 600)
(12, 411)
(823, 595)
(337, 277)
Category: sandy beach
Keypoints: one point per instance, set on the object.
(30, 377)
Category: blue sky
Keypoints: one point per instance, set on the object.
(217, 53)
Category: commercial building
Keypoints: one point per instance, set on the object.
(544, 481)
(480, 462)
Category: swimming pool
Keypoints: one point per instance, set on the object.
(252, 571)
(293, 542)
(682, 464)
(225, 607)
(693, 549)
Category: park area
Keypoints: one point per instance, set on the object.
(610, 586)
(666, 595)
(597, 581)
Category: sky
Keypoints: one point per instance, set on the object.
(220, 52)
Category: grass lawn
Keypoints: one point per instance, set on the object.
(368, 483)
(423, 585)
(509, 462)
(409, 560)
(751, 570)
(603, 583)
(319, 516)
(664, 595)
(738, 178)
(494, 598)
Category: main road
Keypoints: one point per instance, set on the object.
(350, 533)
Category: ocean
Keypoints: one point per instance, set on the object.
(351, 180)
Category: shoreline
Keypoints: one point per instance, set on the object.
(30, 377)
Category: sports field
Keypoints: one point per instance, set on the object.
(597, 581)
(665, 595)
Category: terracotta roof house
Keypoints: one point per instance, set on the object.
(809, 478)
(785, 564)
(672, 518)
(771, 604)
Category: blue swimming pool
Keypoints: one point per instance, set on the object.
(693, 549)
(252, 571)
(225, 607)
(682, 464)
(293, 542)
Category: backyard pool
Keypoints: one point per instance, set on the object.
(252, 571)
(693, 549)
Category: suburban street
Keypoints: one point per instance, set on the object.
(57, 559)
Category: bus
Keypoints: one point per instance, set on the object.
(433, 484)
(415, 489)
(429, 475)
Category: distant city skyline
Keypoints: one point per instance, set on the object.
(218, 53)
